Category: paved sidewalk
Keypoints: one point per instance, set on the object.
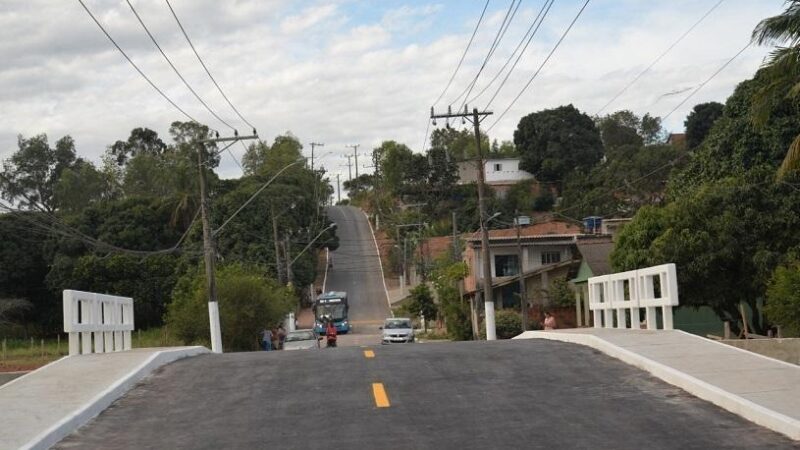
(40, 408)
(761, 389)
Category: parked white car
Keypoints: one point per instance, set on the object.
(301, 340)
(397, 330)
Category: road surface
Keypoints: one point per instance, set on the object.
(357, 271)
(461, 395)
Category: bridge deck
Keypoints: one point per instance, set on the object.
(761, 389)
(40, 408)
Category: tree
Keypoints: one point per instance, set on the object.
(555, 142)
(422, 303)
(699, 122)
(725, 237)
(783, 298)
(248, 302)
(80, 186)
(782, 70)
(30, 176)
(140, 141)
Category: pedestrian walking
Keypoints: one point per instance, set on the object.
(266, 339)
(549, 321)
(275, 342)
(281, 337)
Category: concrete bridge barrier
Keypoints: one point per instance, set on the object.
(616, 299)
(97, 323)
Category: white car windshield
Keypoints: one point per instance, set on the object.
(299, 336)
(397, 324)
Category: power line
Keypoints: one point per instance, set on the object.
(513, 66)
(495, 43)
(134, 64)
(526, 36)
(175, 69)
(463, 55)
(561, 39)
(655, 61)
(705, 82)
(208, 72)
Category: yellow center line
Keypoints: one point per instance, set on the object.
(369, 354)
(381, 399)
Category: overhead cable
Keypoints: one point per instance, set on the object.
(208, 72)
(655, 61)
(175, 69)
(524, 88)
(149, 81)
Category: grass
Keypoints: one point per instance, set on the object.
(27, 354)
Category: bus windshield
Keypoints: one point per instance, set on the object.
(335, 312)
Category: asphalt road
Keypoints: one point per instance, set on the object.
(463, 395)
(356, 270)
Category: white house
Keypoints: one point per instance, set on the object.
(499, 172)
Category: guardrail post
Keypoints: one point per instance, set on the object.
(98, 322)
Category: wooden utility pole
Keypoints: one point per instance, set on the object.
(523, 297)
(338, 189)
(488, 298)
(286, 251)
(314, 144)
(355, 155)
(209, 253)
(276, 241)
(350, 168)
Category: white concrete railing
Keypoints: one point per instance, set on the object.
(625, 293)
(97, 323)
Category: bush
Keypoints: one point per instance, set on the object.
(561, 293)
(422, 304)
(783, 298)
(508, 323)
(248, 302)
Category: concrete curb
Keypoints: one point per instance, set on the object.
(380, 262)
(79, 417)
(731, 402)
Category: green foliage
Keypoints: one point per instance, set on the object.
(445, 276)
(725, 238)
(422, 303)
(508, 323)
(560, 293)
(30, 176)
(783, 298)
(699, 122)
(554, 142)
(248, 302)
(140, 141)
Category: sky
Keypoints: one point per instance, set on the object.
(345, 72)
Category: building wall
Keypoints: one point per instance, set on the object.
(497, 171)
(531, 258)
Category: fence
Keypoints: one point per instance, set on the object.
(616, 299)
(97, 321)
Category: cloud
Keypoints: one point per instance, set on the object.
(369, 74)
(307, 18)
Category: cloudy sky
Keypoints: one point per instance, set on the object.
(352, 72)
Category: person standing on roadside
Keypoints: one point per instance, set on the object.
(549, 321)
(266, 339)
(275, 342)
(281, 337)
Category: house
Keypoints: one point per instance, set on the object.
(595, 254)
(677, 140)
(548, 251)
(500, 173)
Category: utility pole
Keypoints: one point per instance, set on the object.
(523, 297)
(355, 154)
(314, 144)
(278, 267)
(286, 250)
(338, 190)
(350, 168)
(208, 240)
(491, 333)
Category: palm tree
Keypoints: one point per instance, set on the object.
(782, 70)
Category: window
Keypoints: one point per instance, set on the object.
(551, 257)
(498, 167)
(506, 265)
